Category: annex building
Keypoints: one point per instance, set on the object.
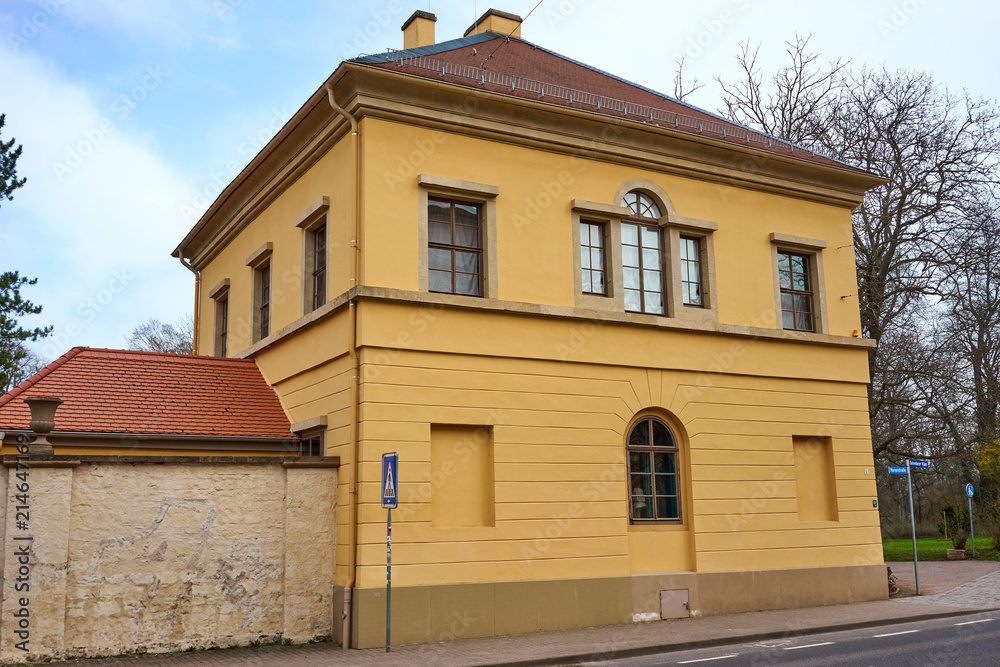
(613, 337)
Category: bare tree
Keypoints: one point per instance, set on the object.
(155, 336)
(794, 103)
(23, 363)
(679, 92)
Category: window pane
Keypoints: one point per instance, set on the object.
(802, 322)
(783, 261)
(439, 232)
(694, 272)
(633, 301)
(631, 278)
(799, 282)
(650, 237)
(630, 234)
(467, 236)
(439, 281)
(639, 436)
(652, 280)
(661, 435)
(597, 280)
(785, 279)
(467, 262)
(638, 461)
(597, 258)
(438, 210)
(666, 485)
(584, 257)
(439, 259)
(787, 320)
(803, 303)
(641, 507)
(798, 263)
(630, 256)
(466, 214)
(692, 294)
(786, 301)
(641, 485)
(587, 285)
(585, 233)
(667, 508)
(654, 303)
(650, 258)
(467, 283)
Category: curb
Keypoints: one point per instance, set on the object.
(654, 649)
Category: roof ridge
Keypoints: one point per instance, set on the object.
(31, 381)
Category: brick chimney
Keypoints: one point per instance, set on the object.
(419, 30)
(496, 21)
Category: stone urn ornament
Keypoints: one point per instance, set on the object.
(43, 414)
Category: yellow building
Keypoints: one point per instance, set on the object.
(614, 339)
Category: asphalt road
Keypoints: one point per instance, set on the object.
(969, 641)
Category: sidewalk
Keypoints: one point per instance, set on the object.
(973, 587)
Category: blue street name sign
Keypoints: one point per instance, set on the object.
(897, 470)
(969, 491)
(919, 464)
(390, 480)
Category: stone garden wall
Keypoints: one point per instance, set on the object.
(110, 555)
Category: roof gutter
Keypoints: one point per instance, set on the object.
(197, 300)
(352, 350)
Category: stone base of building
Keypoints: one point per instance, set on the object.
(463, 611)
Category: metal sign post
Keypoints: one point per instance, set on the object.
(390, 496)
(913, 519)
(970, 491)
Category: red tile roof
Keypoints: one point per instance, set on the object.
(518, 58)
(124, 391)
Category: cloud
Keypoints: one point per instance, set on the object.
(97, 219)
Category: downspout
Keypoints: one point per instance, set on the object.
(197, 300)
(352, 350)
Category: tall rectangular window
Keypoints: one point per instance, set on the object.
(222, 326)
(642, 268)
(796, 291)
(264, 301)
(455, 251)
(691, 271)
(318, 266)
(592, 257)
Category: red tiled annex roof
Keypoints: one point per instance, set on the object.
(523, 59)
(124, 391)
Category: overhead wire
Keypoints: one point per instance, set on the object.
(511, 33)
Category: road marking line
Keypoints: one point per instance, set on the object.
(982, 620)
(795, 648)
(893, 634)
(721, 657)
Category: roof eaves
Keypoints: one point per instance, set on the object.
(33, 380)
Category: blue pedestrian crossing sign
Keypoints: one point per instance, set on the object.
(969, 491)
(390, 480)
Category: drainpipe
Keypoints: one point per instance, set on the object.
(352, 350)
(197, 300)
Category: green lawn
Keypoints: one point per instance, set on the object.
(933, 549)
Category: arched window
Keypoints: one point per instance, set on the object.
(642, 255)
(641, 205)
(653, 479)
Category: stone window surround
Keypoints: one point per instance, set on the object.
(814, 249)
(310, 428)
(220, 295)
(673, 226)
(309, 221)
(477, 193)
(257, 261)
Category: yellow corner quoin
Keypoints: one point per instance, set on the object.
(611, 350)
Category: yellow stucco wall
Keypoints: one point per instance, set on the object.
(558, 393)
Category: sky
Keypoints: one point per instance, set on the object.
(134, 115)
